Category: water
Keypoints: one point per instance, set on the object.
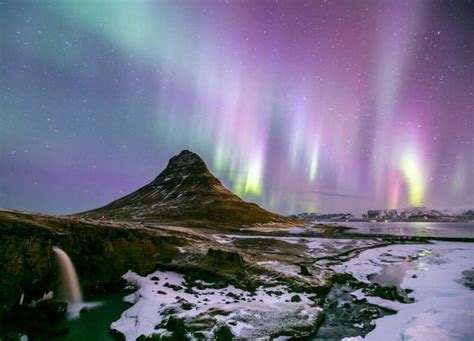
(72, 289)
(94, 324)
(71, 286)
(86, 320)
(392, 275)
(419, 229)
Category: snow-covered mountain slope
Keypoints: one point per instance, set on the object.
(185, 193)
(307, 216)
(420, 213)
(402, 214)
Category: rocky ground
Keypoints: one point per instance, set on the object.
(194, 283)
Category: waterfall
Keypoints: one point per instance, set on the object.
(72, 289)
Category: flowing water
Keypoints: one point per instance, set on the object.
(71, 287)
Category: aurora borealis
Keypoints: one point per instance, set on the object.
(327, 106)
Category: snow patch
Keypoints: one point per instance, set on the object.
(249, 315)
(443, 305)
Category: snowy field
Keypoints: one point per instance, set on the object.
(248, 315)
(310, 247)
(438, 277)
(444, 304)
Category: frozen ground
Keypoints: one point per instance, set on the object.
(443, 307)
(310, 247)
(436, 274)
(248, 315)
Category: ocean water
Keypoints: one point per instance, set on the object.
(420, 229)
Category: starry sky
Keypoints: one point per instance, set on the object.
(321, 106)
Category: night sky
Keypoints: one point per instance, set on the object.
(326, 106)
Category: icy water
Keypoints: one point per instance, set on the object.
(94, 324)
(392, 274)
(419, 229)
(439, 283)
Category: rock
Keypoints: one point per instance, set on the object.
(187, 306)
(224, 257)
(388, 293)
(101, 254)
(177, 326)
(223, 333)
(295, 298)
(304, 270)
(199, 335)
(43, 318)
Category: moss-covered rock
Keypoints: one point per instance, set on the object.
(223, 333)
(223, 257)
(304, 270)
(388, 293)
(42, 319)
(178, 328)
(295, 298)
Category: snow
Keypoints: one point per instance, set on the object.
(297, 230)
(393, 305)
(339, 244)
(284, 268)
(443, 307)
(222, 239)
(229, 238)
(250, 314)
(316, 246)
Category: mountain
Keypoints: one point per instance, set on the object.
(419, 213)
(185, 193)
(401, 214)
(404, 213)
(311, 216)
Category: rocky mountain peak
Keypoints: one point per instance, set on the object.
(186, 160)
(185, 169)
(185, 193)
